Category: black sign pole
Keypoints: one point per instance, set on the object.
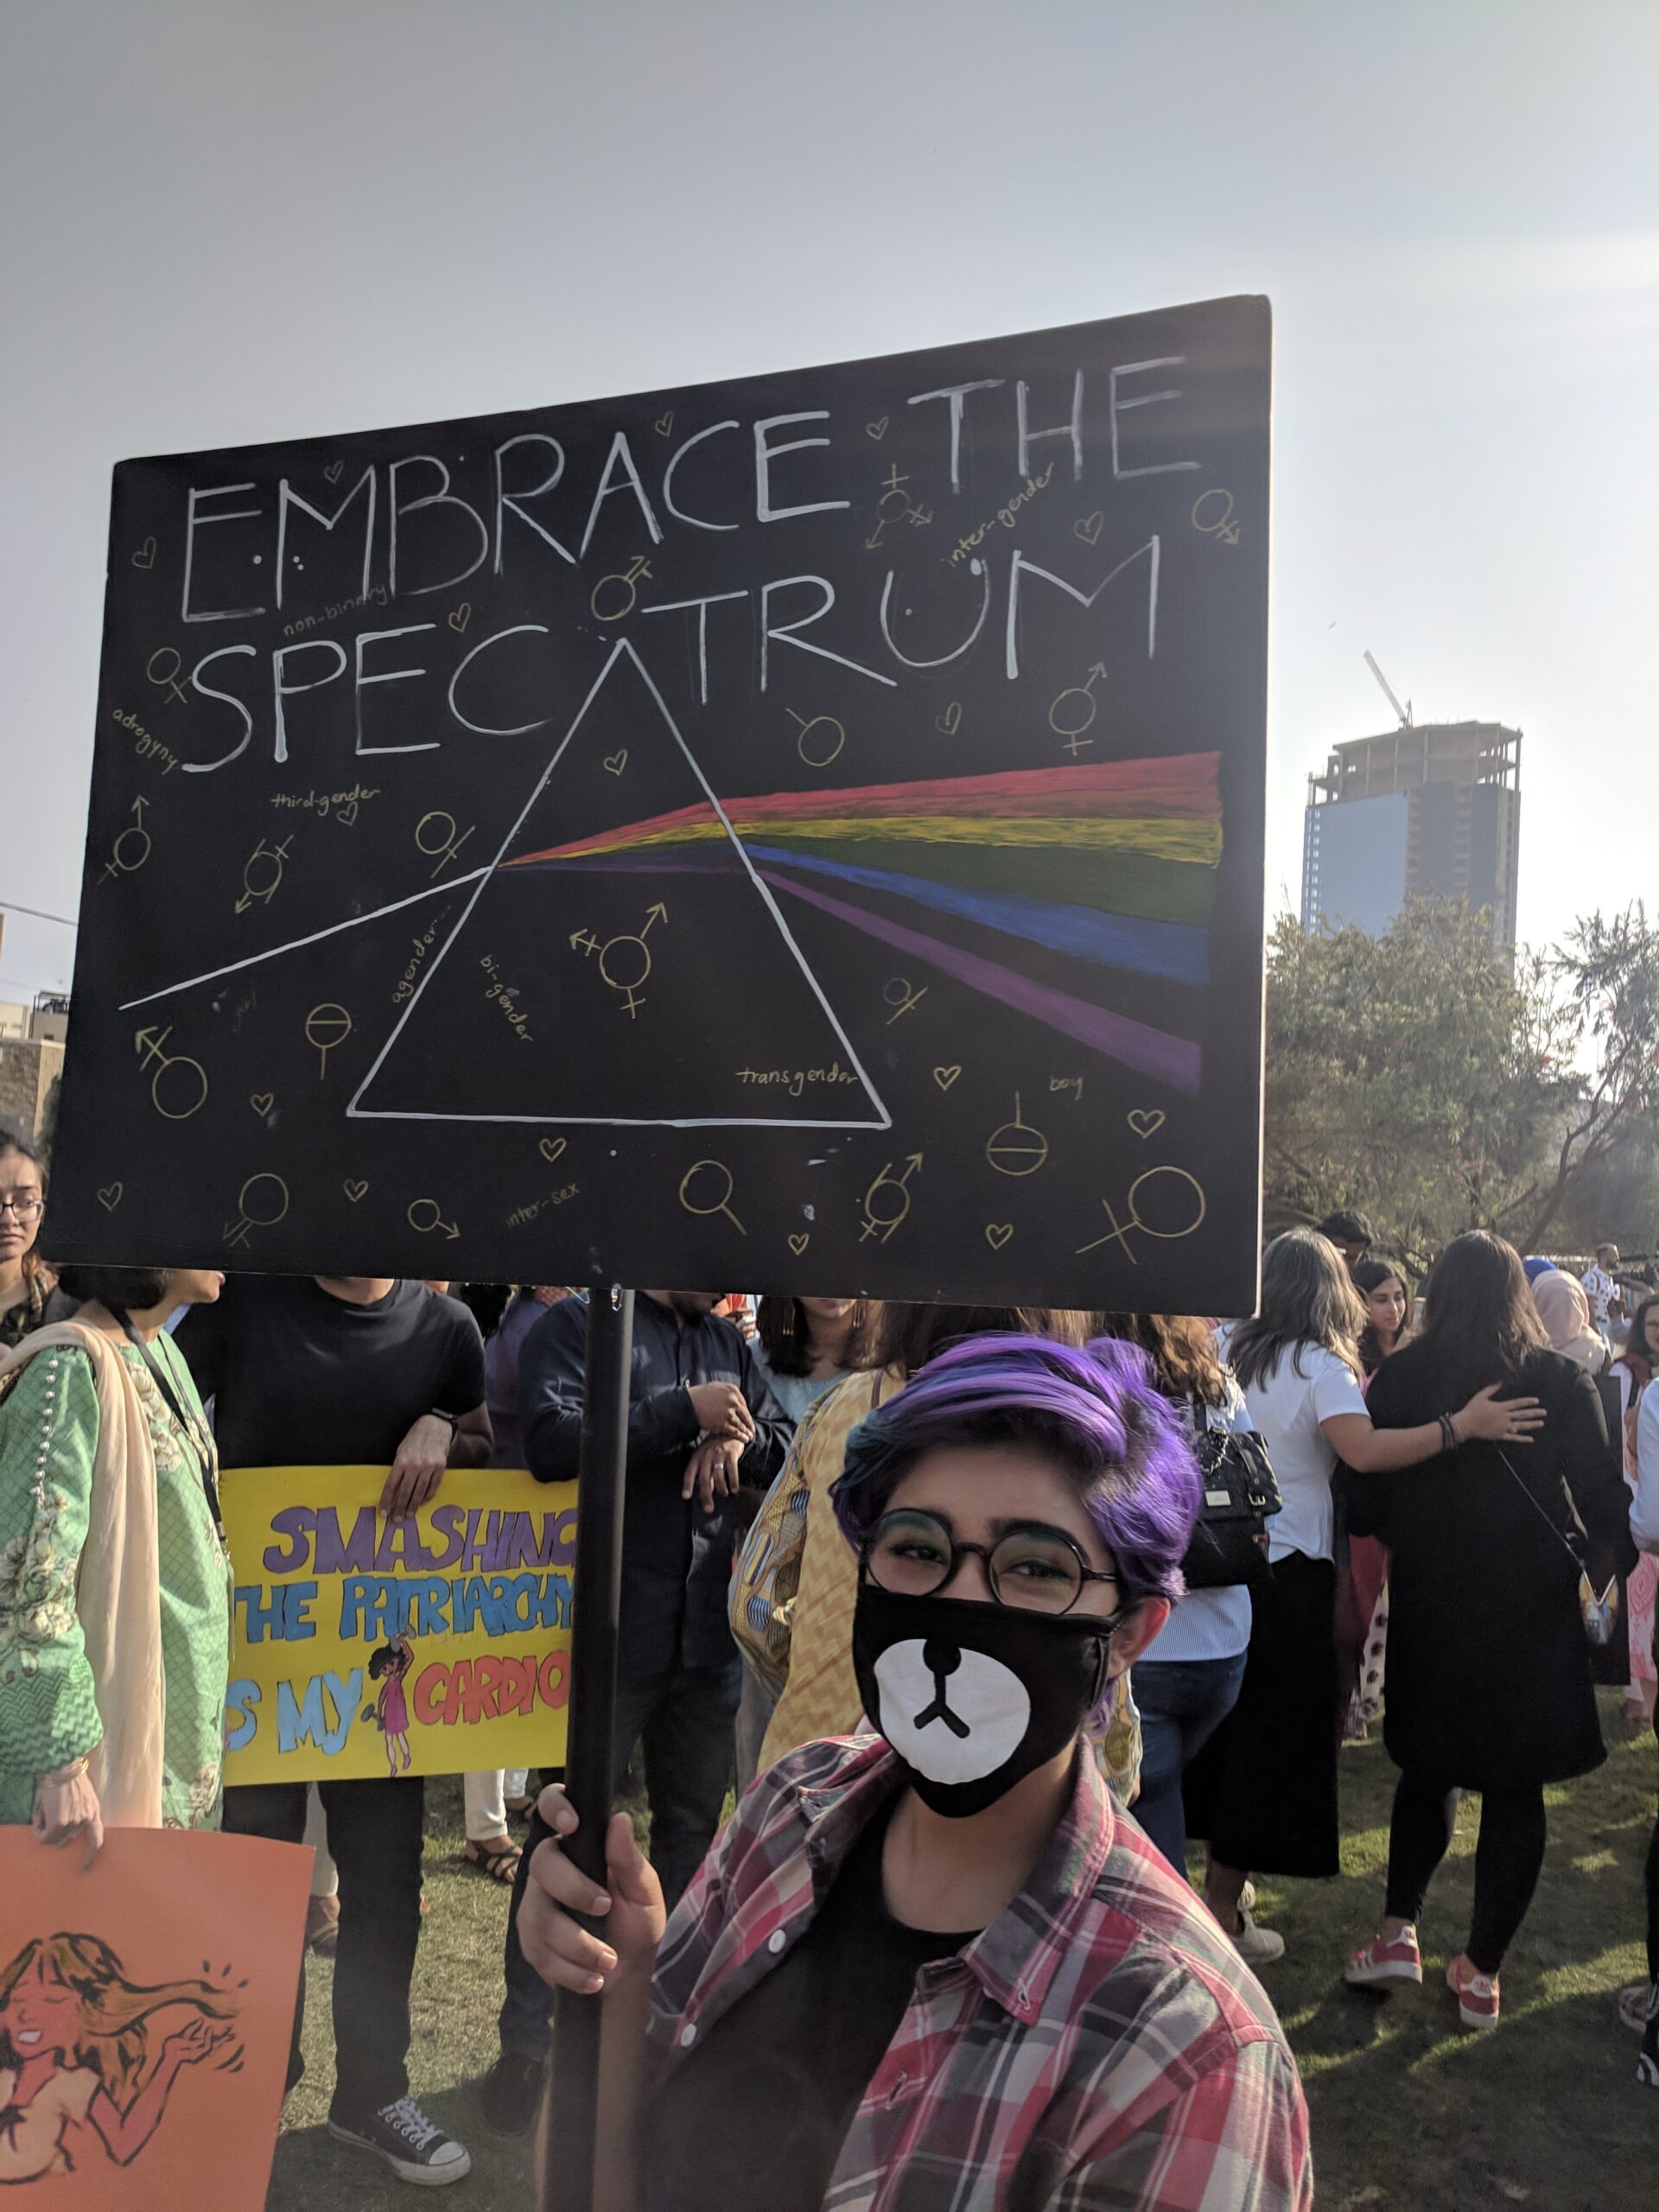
(569, 2139)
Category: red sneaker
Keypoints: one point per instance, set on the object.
(1477, 1994)
(1385, 1960)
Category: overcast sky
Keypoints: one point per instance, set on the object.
(225, 222)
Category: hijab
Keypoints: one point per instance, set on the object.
(1564, 1311)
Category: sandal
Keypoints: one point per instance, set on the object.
(498, 1861)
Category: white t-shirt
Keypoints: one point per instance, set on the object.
(1644, 1509)
(1287, 1408)
(1601, 1289)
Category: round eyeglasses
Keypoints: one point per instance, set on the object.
(1031, 1568)
(24, 1209)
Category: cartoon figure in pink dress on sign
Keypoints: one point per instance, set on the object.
(388, 1667)
(76, 2079)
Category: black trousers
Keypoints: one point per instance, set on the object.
(374, 1834)
(1507, 1858)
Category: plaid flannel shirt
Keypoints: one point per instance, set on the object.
(1099, 2048)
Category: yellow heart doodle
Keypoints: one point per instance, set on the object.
(354, 1190)
(109, 1197)
(261, 1102)
(616, 762)
(664, 424)
(551, 1147)
(1089, 528)
(1146, 1121)
(876, 430)
(997, 1234)
(798, 1242)
(333, 471)
(461, 616)
(951, 720)
(945, 1077)
(145, 556)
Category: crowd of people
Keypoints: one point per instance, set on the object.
(988, 1617)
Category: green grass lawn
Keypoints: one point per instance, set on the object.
(1407, 2111)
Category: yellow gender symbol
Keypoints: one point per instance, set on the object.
(627, 582)
(196, 1084)
(1071, 727)
(169, 678)
(327, 1026)
(625, 983)
(1016, 1148)
(237, 1233)
(1120, 1231)
(722, 1204)
(882, 1224)
(1165, 1236)
(818, 758)
(1222, 526)
(446, 844)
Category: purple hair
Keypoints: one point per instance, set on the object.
(1097, 1413)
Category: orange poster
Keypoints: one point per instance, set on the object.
(145, 2010)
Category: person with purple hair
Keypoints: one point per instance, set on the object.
(930, 1965)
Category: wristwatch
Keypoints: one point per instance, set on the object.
(436, 1413)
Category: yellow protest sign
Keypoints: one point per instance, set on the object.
(436, 1645)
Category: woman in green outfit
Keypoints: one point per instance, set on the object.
(115, 1588)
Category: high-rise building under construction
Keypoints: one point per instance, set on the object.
(1429, 809)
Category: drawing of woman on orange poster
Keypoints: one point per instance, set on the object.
(75, 2072)
(391, 1709)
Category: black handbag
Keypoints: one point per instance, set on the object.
(1241, 1495)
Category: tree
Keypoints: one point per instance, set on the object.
(1606, 1012)
(1419, 1076)
(1617, 1196)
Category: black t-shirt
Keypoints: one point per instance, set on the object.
(302, 1379)
(756, 2116)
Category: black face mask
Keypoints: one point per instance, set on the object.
(973, 1697)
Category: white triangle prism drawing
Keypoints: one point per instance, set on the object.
(877, 1117)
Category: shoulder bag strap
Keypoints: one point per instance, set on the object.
(1509, 1468)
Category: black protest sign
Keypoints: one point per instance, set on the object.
(804, 832)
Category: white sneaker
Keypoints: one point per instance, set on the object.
(1257, 1946)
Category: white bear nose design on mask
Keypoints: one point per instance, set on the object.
(952, 1714)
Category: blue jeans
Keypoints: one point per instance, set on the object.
(684, 1723)
(1182, 1702)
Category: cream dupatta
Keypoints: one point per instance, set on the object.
(117, 1589)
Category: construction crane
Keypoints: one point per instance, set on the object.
(1404, 712)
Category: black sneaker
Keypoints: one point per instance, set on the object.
(1647, 2067)
(511, 2094)
(416, 2148)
